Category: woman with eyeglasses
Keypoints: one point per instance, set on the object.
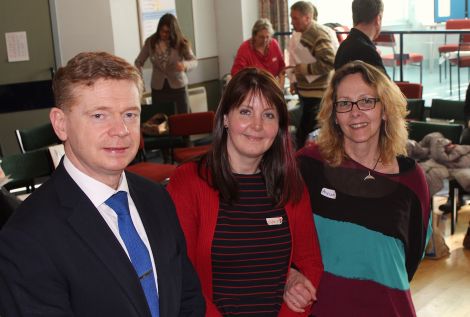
(371, 202)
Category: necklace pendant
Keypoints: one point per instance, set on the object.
(369, 177)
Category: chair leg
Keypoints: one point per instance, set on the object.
(440, 70)
(450, 79)
(421, 73)
(445, 68)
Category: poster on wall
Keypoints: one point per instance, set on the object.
(17, 46)
(150, 12)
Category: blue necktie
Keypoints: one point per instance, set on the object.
(138, 252)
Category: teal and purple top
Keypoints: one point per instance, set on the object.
(372, 234)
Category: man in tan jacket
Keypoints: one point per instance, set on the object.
(311, 78)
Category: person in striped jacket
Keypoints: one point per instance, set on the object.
(244, 209)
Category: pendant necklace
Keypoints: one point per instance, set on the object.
(370, 177)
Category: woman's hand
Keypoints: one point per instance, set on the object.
(299, 292)
(180, 67)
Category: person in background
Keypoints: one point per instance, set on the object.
(94, 240)
(171, 56)
(367, 20)
(331, 31)
(261, 51)
(311, 78)
(243, 207)
(371, 203)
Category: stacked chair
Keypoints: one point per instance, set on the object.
(451, 24)
(393, 60)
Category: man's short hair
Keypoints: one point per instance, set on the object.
(365, 11)
(304, 7)
(88, 67)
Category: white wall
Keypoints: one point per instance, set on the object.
(220, 26)
(250, 13)
(234, 20)
(124, 18)
(204, 28)
(229, 32)
(82, 26)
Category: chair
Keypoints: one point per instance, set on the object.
(341, 36)
(418, 130)
(393, 60)
(460, 59)
(159, 142)
(156, 172)
(36, 138)
(416, 109)
(25, 168)
(447, 110)
(451, 24)
(410, 90)
(186, 125)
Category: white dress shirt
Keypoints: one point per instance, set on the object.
(98, 193)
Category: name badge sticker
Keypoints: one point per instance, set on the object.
(276, 221)
(328, 193)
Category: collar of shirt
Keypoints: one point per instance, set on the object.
(96, 191)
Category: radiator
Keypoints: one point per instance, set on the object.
(197, 99)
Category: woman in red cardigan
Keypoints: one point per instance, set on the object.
(243, 207)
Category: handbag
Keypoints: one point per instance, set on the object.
(156, 125)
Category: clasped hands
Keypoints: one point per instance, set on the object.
(299, 292)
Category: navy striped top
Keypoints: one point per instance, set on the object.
(250, 252)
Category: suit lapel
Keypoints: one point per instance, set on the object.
(86, 221)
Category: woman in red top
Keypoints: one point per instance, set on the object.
(243, 207)
(261, 51)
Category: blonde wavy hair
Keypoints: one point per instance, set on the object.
(393, 130)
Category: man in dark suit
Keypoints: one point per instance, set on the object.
(367, 20)
(94, 240)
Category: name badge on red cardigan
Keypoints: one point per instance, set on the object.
(276, 221)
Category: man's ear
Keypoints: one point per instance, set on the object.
(378, 21)
(58, 120)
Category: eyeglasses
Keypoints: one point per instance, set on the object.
(362, 104)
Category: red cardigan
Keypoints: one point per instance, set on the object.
(247, 56)
(197, 206)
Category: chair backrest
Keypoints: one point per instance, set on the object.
(418, 130)
(448, 110)
(187, 124)
(36, 138)
(385, 40)
(416, 109)
(28, 166)
(147, 111)
(455, 24)
(464, 42)
(341, 37)
(411, 90)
